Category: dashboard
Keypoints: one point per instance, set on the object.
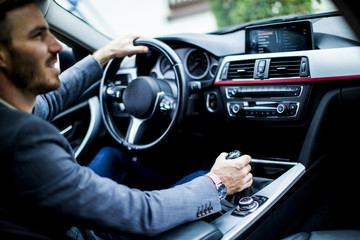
(237, 91)
(265, 71)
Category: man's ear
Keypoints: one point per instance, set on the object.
(4, 56)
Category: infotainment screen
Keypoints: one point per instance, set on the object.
(285, 37)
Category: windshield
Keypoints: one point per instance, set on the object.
(154, 18)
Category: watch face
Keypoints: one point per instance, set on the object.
(222, 191)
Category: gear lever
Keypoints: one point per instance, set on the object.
(235, 154)
(245, 200)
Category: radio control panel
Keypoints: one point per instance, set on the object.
(264, 102)
(276, 109)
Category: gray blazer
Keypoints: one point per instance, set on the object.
(43, 187)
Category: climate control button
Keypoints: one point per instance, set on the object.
(235, 108)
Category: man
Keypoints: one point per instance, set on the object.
(43, 188)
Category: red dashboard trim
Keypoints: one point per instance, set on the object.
(298, 80)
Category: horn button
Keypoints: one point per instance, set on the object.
(140, 97)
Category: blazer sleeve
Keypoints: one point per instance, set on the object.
(74, 81)
(48, 179)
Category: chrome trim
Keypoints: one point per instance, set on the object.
(207, 68)
(233, 226)
(134, 126)
(211, 66)
(95, 121)
(66, 130)
(273, 162)
(260, 90)
(208, 101)
(322, 63)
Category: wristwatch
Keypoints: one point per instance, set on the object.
(220, 186)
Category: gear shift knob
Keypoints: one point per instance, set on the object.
(234, 154)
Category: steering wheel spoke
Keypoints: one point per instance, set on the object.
(135, 130)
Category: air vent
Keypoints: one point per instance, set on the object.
(266, 69)
(241, 69)
(285, 67)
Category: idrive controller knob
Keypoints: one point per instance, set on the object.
(247, 204)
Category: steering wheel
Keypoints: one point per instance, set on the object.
(145, 101)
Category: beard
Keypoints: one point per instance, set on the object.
(29, 75)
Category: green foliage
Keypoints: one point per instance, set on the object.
(232, 12)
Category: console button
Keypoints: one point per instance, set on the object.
(261, 66)
(231, 92)
(212, 101)
(281, 108)
(293, 106)
(235, 108)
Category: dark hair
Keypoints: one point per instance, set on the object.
(5, 26)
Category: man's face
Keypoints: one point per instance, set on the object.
(33, 52)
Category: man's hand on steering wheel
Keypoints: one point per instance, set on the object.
(119, 48)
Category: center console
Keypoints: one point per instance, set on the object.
(249, 209)
(241, 211)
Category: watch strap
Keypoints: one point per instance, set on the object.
(216, 180)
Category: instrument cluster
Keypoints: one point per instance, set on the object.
(198, 65)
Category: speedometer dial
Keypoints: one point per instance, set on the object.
(197, 64)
